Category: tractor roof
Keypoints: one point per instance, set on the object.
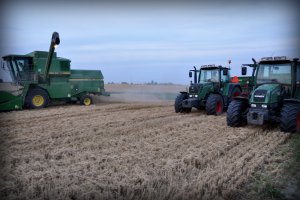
(213, 67)
(276, 59)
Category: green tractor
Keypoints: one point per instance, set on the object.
(35, 79)
(211, 89)
(275, 96)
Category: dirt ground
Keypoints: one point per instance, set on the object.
(128, 150)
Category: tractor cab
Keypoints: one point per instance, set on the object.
(213, 74)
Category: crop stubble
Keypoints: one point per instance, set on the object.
(127, 151)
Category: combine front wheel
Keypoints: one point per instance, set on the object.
(37, 98)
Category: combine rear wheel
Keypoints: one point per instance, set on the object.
(37, 98)
(86, 100)
(214, 104)
(290, 118)
(236, 113)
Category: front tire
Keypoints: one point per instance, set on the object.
(178, 104)
(290, 118)
(236, 113)
(214, 104)
(37, 98)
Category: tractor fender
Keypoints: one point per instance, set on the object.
(291, 100)
(183, 92)
(231, 88)
(240, 98)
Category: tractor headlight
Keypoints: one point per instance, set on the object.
(190, 95)
(196, 95)
(264, 106)
(253, 105)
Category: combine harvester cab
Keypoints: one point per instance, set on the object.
(275, 96)
(211, 89)
(39, 77)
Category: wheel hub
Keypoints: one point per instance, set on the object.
(87, 101)
(38, 100)
(219, 107)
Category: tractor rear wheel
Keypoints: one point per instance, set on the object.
(214, 104)
(178, 104)
(290, 118)
(86, 100)
(236, 113)
(37, 98)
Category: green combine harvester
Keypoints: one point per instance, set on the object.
(40, 77)
(275, 96)
(212, 89)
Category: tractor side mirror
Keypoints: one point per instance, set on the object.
(244, 70)
(190, 74)
(225, 72)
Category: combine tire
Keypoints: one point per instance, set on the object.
(86, 100)
(236, 113)
(37, 98)
(290, 118)
(214, 104)
(178, 104)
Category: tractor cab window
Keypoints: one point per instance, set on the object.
(274, 73)
(225, 78)
(209, 75)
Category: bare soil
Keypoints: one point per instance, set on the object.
(128, 150)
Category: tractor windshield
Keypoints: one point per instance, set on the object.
(209, 75)
(274, 73)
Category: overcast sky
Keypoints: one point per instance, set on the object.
(140, 42)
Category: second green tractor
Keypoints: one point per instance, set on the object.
(212, 90)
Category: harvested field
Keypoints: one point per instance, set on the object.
(127, 151)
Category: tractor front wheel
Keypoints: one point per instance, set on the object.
(214, 104)
(290, 118)
(86, 100)
(236, 113)
(178, 104)
(37, 98)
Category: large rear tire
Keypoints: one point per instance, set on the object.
(37, 98)
(178, 104)
(236, 113)
(214, 104)
(290, 118)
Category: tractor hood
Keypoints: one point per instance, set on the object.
(267, 93)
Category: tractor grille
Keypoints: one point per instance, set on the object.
(260, 95)
(194, 88)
